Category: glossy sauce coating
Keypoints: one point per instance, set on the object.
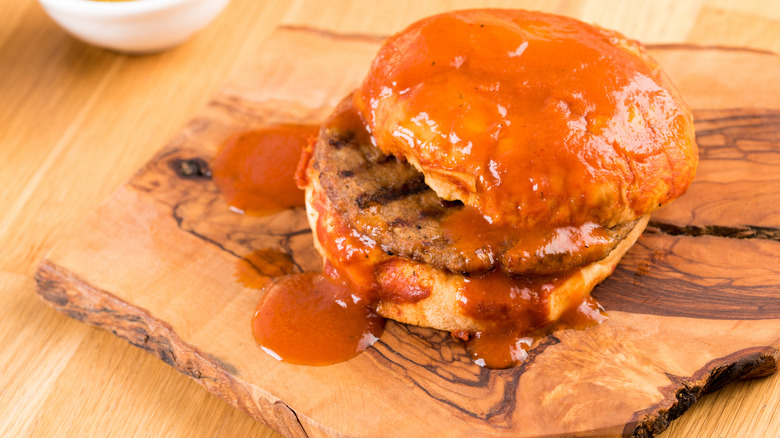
(361, 263)
(255, 170)
(517, 312)
(536, 120)
(514, 310)
(314, 319)
(537, 251)
(506, 301)
(320, 319)
(508, 345)
(311, 319)
(459, 238)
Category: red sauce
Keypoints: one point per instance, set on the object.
(255, 170)
(498, 349)
(321, 319)
(517, 312)
(516, 309)
(314, 319)
(311, 319)
(488, 100)
(496, 297)
(587, 314)
(355, 257)
(519, 247)
(507, 345)
(354, 254)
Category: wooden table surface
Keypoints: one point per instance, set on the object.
(77, 121)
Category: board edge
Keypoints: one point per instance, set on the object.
(70, 295)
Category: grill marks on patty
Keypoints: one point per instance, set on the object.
(386, 195)
(387, 199)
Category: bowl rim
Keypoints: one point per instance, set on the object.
(115, 8)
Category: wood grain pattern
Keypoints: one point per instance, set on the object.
(190, 310)
(78, 300)
(78, 121)
(83, 302)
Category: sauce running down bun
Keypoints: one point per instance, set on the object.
(492, 169)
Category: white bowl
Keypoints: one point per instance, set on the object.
(136, 26)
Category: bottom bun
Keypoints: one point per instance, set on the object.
(443, 309)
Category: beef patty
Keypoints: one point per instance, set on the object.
(388, 200)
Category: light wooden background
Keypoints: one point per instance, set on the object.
(77, 121)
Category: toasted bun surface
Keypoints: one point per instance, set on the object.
(534, 119)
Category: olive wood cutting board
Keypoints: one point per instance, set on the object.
(694, 305)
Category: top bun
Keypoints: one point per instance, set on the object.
(535, 120)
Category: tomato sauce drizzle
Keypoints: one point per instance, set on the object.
(507, 345)
(321, 319)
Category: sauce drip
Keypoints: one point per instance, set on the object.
(314, 319)
(537, 251)
(507, 346)
(368, 270)
(522, 302)
(255, 170)
(516, 309)
(321, 319)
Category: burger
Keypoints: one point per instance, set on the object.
(492, 168)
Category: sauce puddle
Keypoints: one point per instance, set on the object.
(308, 318)
(506, 347)
(313, 319)
(255, 171)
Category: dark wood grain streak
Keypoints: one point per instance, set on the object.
(744, 364)
(335, 35)
(713, 47)
(439, 366)
(650, 280)
(742, 232)
(746, 134)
